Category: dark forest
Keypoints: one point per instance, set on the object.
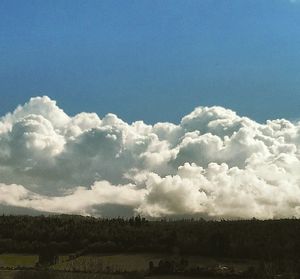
(250, 239)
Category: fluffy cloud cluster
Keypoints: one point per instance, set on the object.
(214, 164)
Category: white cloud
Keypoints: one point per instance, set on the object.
(214, 164)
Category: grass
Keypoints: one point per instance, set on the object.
(114, 263)
(14, 260)
(138, 262)
(118, 262)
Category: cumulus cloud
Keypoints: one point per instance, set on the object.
(213, 164)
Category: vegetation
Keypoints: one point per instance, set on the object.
(15, 260)
(127, 247)
(272, 239)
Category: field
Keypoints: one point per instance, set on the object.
(106, 266)
(15, 260)
(53, 275)
(139, 262)
(114, 262)
(13, 275)
(110, 263)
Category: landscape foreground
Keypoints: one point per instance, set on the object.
(65, 246)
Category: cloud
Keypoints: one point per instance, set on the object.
(212, 164)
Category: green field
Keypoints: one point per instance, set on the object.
(138, 262)
(102, 265)
(111, 263)
(14, 260)
(14, 275)
(53, 275)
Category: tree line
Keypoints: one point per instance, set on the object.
(62, 234)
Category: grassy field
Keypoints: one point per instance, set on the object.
(55, 275)
(241, 265)
(14, 260)
(118, 262)
(103, 264)
(15, 275)
(7, 274)
(139, 262)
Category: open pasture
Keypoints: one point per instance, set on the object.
(15, 260)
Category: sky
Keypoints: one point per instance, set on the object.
(159, 108)
(214, 164)
(152, 60)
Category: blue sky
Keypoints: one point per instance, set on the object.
(153, 60)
